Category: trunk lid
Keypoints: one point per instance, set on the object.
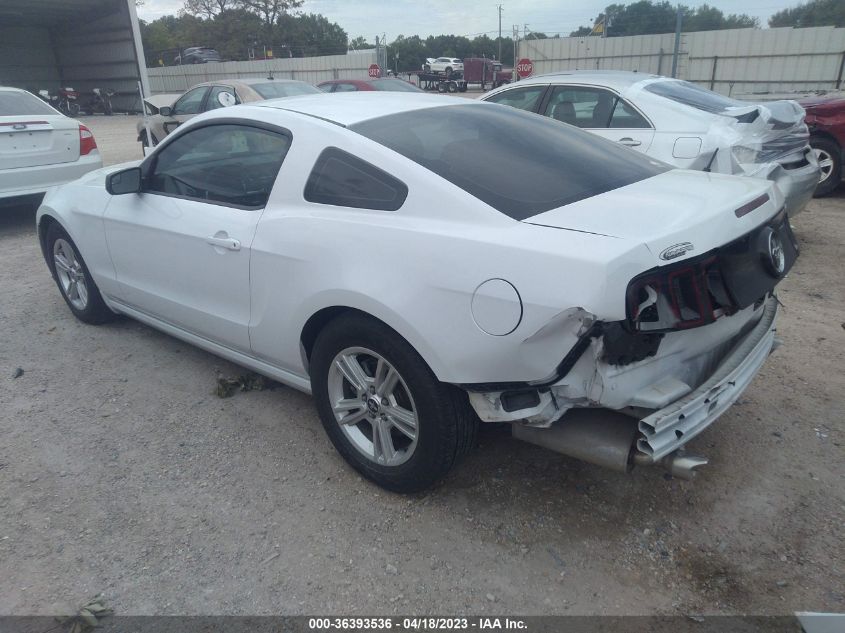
(31, 140)
(671, 210)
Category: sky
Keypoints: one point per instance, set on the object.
(460, 17)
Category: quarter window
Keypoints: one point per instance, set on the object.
(231, 164)
(343, 180)
(522, 98)
(216, 101)
(345, 88)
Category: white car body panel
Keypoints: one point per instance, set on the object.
(428, 266)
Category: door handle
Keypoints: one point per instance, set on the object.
(629, 142)
(225, 242)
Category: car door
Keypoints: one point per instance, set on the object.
(525, 98)
(188, 105)
(601, 112)
(181, 248)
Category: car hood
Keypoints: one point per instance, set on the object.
(676, 207)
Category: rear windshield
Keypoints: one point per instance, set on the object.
(695, 96)
(519, 163)
(22, 103)
(274, 90)
(394, 85)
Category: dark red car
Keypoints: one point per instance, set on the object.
(356, 85)
(826, 121)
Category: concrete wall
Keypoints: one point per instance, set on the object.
(310, 69)
(737, 61)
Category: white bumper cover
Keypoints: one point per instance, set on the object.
(671, 427)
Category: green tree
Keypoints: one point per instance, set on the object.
(815, 13)
(309, 35)
(359, 43)
(646, 17)
(270, 12)
(208, 8)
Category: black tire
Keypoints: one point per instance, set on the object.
(447, 425)
(427, 68)
(441, 86)
(453, 87)
(449, 71)
(95, 311)
(832, 149)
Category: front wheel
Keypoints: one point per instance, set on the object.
(73, 278)
(383, 408)
(829, 155)
(73, 108)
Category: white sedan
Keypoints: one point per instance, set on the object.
(680, 123)
(416, 273)
(40, 147)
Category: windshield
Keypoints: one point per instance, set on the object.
(519, 163)
(695, 96)
(394, 85)
(13, 103)
(274, 90)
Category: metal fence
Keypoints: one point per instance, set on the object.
(310, 69)
(735, 62)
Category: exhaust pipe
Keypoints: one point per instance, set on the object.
(607, 439)
(596, 436)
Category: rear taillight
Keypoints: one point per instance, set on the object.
(87, 144)
(677, 297)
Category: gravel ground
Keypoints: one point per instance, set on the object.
(121, 472)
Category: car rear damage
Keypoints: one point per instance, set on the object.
(634, 392)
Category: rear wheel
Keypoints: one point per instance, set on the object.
(382, 407)
(829, 155)
(441, 86)
(73, 108)
(73, 279)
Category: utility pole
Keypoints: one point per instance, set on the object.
(677, 43)
(500, 32)
(515, 47)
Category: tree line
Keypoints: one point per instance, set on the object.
(239, 29)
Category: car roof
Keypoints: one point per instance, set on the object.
(348, 108)
(618, 79)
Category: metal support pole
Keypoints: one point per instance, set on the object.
(677, 43)
(841, 69)
(499, 58)
(713, 74)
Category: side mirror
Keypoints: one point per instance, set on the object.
(124, 181)
(165, 111)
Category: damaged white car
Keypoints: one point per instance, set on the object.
(680, 123)
(416, 272)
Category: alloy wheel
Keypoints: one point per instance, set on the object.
(70, 273)
(825, 163)
(373, 406)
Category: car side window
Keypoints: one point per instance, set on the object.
(191, 101)
(345, 88)
(523, 98)
(216, 101)
(231, 164)
(626, 117)
(341, 179)
(581, 107)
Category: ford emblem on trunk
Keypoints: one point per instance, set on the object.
(676, 250)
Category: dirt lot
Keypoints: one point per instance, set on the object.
(121, 472)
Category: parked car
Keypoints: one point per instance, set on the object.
(40, 147)
(415, 273)
(358, 85)
(210, 96)
(445, 65)
(826, 120)
(198, 55)
(679, 123)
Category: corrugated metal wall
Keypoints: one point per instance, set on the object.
(101, 54)
(736, 61)
(310, 69)
(93, 49)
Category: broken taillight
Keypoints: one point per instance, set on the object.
(677, 297)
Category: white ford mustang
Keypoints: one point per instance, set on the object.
(420, 263)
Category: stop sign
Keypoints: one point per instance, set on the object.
(374, 71)
(524, 68)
